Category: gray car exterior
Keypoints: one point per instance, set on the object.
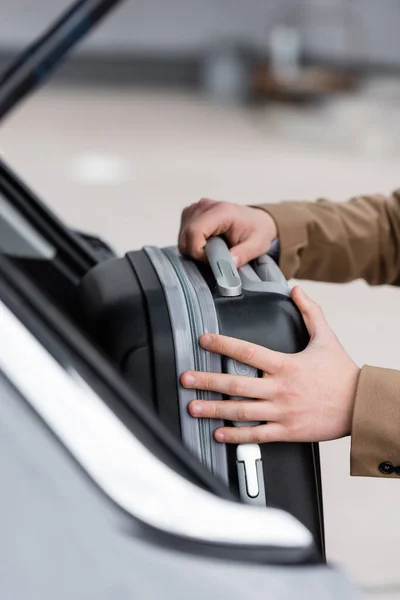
(63, 536)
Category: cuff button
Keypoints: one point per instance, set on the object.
(386, 468)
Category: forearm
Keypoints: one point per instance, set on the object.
(339, 242)
(375, 444)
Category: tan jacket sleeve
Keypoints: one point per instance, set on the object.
(339, 242)
(375, 436)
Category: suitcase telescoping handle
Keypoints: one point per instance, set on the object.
(263, 275)
(224, 269)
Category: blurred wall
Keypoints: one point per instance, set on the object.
(338, 30)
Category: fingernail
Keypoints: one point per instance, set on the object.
(196, 409)
(235, 260)
(219, 436)
(189, 379)
(296, 287)
(206, 341)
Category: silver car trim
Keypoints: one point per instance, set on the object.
(121, 465)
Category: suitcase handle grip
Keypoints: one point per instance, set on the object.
(262, 275)
(224, 269)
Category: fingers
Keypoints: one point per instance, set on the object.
(312, 313)
(248, 250)
(196, 208)
(261, 434)
(186, 216)
(248, 230)
(206, 218)
(214, 221)
(230, 385)
(205, 203)
(234, 410)
(251, 354)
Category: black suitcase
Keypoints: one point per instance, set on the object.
(148, 309)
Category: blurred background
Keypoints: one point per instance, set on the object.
(254, 101)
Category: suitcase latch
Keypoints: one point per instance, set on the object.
(250, 474)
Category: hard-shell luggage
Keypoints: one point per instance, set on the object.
(148, 309)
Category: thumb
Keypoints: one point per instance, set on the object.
(247, 251)
(311, 311)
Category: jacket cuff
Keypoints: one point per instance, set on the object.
(291, 222)
(375, 437)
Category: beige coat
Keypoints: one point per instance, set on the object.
(327, 241)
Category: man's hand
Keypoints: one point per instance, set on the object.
(249, 231)
(304, 397)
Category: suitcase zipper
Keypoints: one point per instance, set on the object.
(249, 465)
(187, 292)
(203, 424)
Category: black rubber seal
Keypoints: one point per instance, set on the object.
(165, 369)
